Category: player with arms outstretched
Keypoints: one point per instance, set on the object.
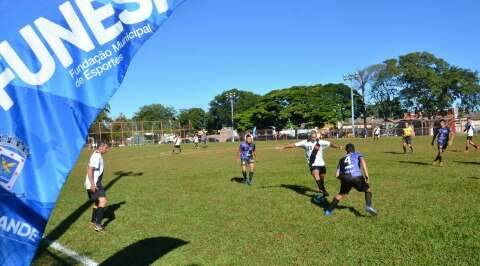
(353, 172)
(443, 136)
(314, 148)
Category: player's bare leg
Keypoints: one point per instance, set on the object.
(319, 179)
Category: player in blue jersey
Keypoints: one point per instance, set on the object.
(247, 155)
(353, 173)
(443, 136)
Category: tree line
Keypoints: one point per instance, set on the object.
(415, 82)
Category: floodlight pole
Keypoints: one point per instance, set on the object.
(351, 77)
(231, 96)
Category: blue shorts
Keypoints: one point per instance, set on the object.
(442, 145)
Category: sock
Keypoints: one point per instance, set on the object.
(251, 175)
(94, 215)
(437, 158)
(440, 158)
(99, 217)
(368, 199)
(411, 148)
(321, 186)
(244, 175)
(334, 204)
(404, 149)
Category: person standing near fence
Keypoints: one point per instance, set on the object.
(195, 141)
(470, 130)
(177, 145)
(376, 133)
(93, 184)
(408, 133)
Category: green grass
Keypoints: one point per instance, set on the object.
(185, 210)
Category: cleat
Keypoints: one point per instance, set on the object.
(328, 213)
(371, 210)
(441, 164)
(99, 228)
(434, 164)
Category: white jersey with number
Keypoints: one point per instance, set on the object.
(309, 146)
(96, 162)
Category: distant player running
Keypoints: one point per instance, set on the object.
(352, 171)
(470, 130)
(247, 155)
(314, 148)
(443, 136)
(408, 133)
(177, 145)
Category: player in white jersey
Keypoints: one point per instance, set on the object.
(195, 141)
(314, 148)
(94, 187)
(177, 142)
(470, 130)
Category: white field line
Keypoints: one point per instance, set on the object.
(70, 253)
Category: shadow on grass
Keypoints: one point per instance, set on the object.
(471, 163)
(415, 163)
(394, 152)
(58, 231)
(144, 252)
(237, 179)
(109, 214)
(473, 177)
(310, 193)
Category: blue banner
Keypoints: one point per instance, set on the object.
(60, 63)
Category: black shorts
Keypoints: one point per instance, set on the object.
(99, 193)
(442, 146)
(321, 169)
(177, 147)
(407, 140)
(247, 161)
(349, 182)
(469, 137)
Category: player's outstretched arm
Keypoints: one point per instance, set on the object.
(363, 163)
(289, 146)
(335, 146)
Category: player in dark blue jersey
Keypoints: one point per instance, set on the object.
(353, 173)
(443, 136)
(247, 155)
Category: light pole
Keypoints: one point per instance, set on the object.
(350, 78)
(232, 96)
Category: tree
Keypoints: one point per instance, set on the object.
(194, 117)
(103, 116)
(154, 112)
(362, 78)
(219, 114)
(431, 84)
(311, 105)
(385, 91)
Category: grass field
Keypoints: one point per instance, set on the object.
(188, 209)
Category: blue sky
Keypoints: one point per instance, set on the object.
(209, 46)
